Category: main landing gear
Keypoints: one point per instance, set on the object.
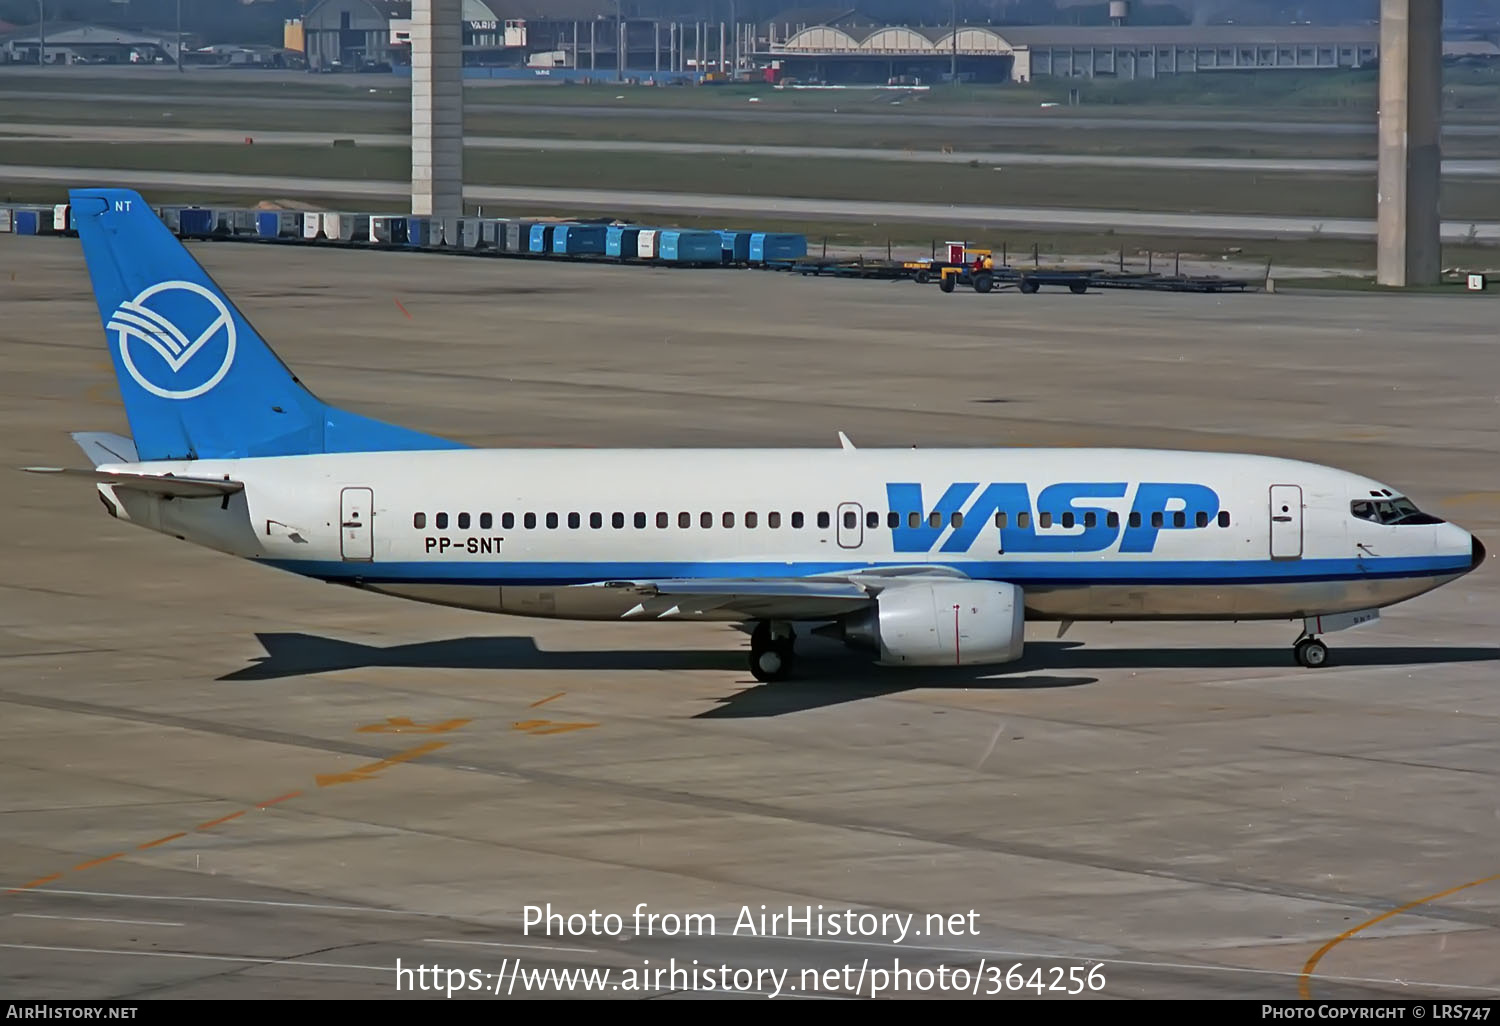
(772, 651)
(1310, 652)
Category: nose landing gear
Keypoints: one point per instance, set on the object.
(772, 652)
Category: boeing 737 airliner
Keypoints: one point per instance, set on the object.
(923, 558)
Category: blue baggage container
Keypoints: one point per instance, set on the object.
(541, 238)
(278, 224)
(622, 241)
(772, 246)
(419, 231)
(690, 247)
(575, 239)
(26, 222)
(736, 246)
(195, 223)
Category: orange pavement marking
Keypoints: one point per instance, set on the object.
(1304, 984)
(95, 862)
(549, 698)
(370, 769)
(404, 725)
(159, 840)
(394, 724)
(273, 801)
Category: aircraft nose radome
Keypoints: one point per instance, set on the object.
(1477, 556)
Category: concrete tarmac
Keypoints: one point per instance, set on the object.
(221, 781)
(621, 201)
(16, 132)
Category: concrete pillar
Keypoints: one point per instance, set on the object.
(437, 108)
(1409, 229)
(656, 43)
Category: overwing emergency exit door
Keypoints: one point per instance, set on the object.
(1286, 522)
(356, 506)
(851, 526)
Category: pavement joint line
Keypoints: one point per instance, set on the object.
(363, 773)
(1304, 978)
(759, 809)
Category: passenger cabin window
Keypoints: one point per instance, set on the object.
(728, 520)
(797, 521)
(617, 520)
(773, 520)
(1223, 518)
(705, 520)
(1155, 519)
(1393, 511)
(1090, 519)
(1000, 519)
(1112, 520)
(1044, 519)
(914, 520)
(1201, 519)
(1179, 519)
(684, 520)
(750, 519)
(640, 520)
(596, 520)
(507, 520)
(893, 520)
(1023, 519)
(574, 521)
(463, 521)
(662, 520)
(872, 519)
(1135, 519)
(851, 520)
(551, 521)
(823, 520)
(419, 520)
(486, 521)
(1067, 520)
(441, 520)
(935, 520)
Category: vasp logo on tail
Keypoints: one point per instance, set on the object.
(176, 339)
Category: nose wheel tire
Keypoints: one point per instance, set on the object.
(1311, 653)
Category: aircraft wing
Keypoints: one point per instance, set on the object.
(771, 598)
(157, 484)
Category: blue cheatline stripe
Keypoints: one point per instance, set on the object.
(1050, 572)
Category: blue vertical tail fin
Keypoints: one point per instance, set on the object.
(198, 382)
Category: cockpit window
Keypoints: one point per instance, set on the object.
(1395, 510)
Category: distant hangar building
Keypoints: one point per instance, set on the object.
(851, 54)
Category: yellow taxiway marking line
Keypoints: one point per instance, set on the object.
(1304, 983)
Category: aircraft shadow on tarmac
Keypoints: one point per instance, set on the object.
(829, 675)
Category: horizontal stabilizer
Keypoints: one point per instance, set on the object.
(102, 447)
(157, 484)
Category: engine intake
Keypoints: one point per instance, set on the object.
(951, 623)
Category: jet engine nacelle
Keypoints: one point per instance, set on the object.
(950, 623)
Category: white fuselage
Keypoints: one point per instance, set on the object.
(528, 531)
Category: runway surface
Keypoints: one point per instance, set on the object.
(851, 107)
(1060, 218)
(16, 132)
(216, 780)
